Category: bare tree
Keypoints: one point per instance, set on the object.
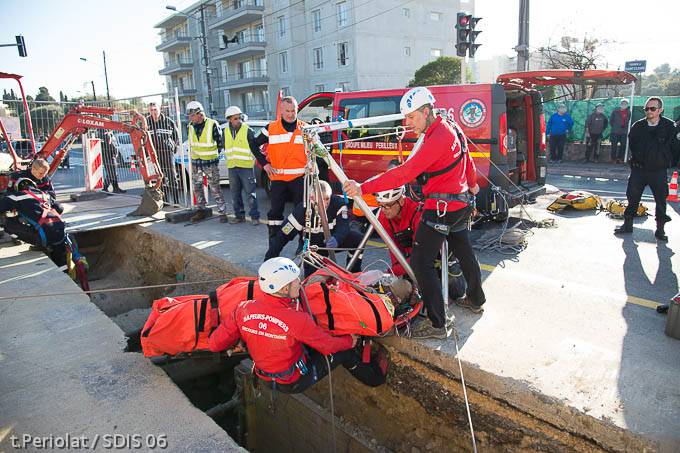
(572, 53)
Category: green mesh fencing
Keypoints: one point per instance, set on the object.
(579, 111)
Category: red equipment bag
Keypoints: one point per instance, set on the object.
(342, 307)
(179, 324)
(183, 324)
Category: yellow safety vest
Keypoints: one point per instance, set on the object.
(237, 149)
(203, 147)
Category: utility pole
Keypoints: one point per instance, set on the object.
(94, 93)
(523, 37)
(206, 60)
(106, 77)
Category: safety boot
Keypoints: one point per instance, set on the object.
(627, 226)
(660, 234)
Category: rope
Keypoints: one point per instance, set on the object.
(110, 290)
(462, 381)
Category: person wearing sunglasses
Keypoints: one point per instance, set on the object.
(654, 147)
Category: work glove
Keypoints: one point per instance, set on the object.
(332, 243)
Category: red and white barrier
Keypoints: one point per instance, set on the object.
(673, 188)
(94, 168)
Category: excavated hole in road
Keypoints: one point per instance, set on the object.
(419, 409)
(126, 257)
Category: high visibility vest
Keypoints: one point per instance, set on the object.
(286, 151)
(237, 149)
(203, 147)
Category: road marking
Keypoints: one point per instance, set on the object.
(490, 268)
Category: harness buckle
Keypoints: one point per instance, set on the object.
(440, 212)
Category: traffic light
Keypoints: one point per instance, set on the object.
(466, 34)
(21, 45)
(462, 30)
(472, 36)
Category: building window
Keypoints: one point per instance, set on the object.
(316, 20)
(436, 53)
(220, 40)
(261, 65)
(407, 51)
(342, 54)
(344, 86)
(318, 58)
(259, 33)
(282, 26)
(407, 12)
(342, 13)
(285, 91)
(319, 88)
(283, 60)
(227, 100)
(435, 16)
(225, 71)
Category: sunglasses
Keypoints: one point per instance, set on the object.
(388, 206)
(651, 109)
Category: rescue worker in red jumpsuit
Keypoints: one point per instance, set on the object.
(399, 216)
(448, 177)
(285, 343)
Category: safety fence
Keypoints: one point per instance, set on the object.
(120, 165)
(579, 111)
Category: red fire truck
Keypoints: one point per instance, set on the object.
(503, 121)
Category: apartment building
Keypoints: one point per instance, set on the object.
(236, 50)
(258, 47)
(355, 44)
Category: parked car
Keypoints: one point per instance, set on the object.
(126, 150)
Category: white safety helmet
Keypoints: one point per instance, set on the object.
(24, 184)
(275, 273)
(414, 99)
(231, 111)
(194, 107)
(391, 195)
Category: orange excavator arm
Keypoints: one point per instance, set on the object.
(81, 118)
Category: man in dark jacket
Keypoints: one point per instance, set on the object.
(109, 156)
(595, 126)
(654, 147)
(619, 121)
(38, 174)
(338, 224)
(166, 141)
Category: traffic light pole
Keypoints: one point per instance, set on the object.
(463, 70)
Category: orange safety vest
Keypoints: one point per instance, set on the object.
(286, 151)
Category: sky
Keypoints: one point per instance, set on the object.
(59, 32)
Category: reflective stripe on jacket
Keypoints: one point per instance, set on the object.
(237, 149)
(286, 151)
(203, 147)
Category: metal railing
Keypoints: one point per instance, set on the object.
(233, 8)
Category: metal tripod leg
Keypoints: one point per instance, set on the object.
(445, 277)
(362, 244)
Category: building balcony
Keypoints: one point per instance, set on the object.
(243, 12)
(184, 92)
(173, 42)
(245, 80)
(249, 48)
(180, 65)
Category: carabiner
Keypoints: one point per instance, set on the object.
(441, 213)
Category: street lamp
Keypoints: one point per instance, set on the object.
(206, 52)
(106, 75)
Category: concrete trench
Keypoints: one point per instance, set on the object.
(421, 407)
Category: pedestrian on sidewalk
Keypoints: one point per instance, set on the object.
(559, 125)
(205, 143)
(618, 135)
(654, 147)
(595, 126)
(238, 139)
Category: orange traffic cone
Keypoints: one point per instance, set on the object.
(133, 166)
(673, 188)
